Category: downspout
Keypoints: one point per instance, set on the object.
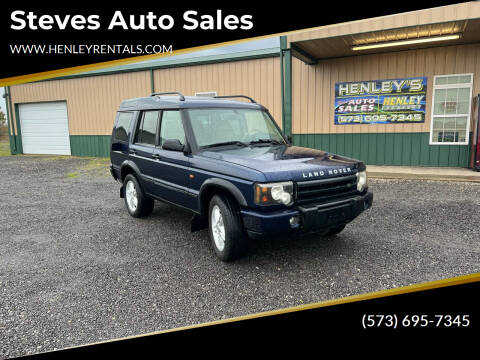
(282, 84)
(152, 81)
(286, 85)
(11, 137)
(476, 159)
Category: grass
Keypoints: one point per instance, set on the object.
(93, 167)
(4, 147)
(89, 166)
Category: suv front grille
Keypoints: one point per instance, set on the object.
(324, 190)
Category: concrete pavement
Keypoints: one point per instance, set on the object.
(423, 173)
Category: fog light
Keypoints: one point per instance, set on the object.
(293, 221)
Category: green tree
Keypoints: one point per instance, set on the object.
(3, 119)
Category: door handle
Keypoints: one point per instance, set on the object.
(133, 152)
(156, 156)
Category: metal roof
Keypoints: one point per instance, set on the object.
(194, 60)
(337, 40)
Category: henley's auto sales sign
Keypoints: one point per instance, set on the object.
(381, 101)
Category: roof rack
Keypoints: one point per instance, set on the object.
(182, 98)
(235, 96)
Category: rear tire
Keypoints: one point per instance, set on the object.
(137, 203)
(227, 236)
(335, 230)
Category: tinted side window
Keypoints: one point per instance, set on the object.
(148, 128)
(123, 125)
(172, 127)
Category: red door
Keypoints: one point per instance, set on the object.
(476, 159)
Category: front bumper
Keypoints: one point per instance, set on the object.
(311, 218)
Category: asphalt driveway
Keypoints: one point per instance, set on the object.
(75, 268)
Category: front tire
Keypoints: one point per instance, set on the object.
(137, 203)
(227, 236)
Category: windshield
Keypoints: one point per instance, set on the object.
(222, 125)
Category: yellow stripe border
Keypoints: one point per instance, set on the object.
(16, 80)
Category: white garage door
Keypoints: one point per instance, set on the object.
(44, 128)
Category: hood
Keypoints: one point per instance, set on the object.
(281, 163)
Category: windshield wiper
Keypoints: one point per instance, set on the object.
(238, 143)
(265, 141)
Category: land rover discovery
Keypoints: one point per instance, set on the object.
(228, 162)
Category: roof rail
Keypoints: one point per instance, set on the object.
(235, 96)
(182, 98)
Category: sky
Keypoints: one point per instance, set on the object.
(2, 101)
(252, 45)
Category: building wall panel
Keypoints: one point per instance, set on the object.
(258, 78)
(382, 144)
(405, 149)
(91, 101)
(315, 114)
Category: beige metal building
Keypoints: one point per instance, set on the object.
(314, 85)
(86, 104)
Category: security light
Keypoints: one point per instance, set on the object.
(406, 42)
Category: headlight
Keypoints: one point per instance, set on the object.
(274, 193)
(361, 180)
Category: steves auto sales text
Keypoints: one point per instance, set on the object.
(192, 20)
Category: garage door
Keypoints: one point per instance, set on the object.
(44, 128)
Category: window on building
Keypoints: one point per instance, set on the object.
(147, 128)
(452, 98)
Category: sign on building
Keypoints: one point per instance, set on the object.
(381, 101)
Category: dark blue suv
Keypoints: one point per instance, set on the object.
(230, 164)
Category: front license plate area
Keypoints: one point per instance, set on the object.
(320, 218)
(336, 216)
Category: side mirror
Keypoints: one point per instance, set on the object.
(173, 144)
(289, 138)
